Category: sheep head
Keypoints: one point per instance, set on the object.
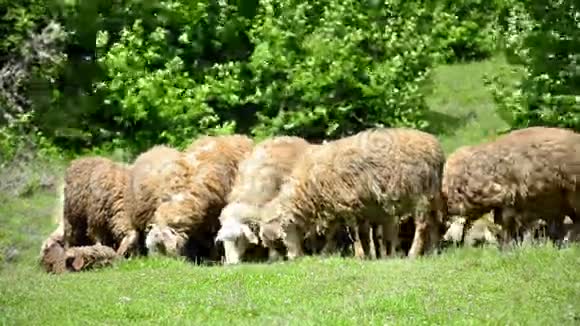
(169, 232)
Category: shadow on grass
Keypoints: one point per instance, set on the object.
(443, 124)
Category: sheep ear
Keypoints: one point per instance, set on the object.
(250, 235)
(76, 263)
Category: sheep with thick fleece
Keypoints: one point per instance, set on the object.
(521, 176)
(150, 176)
(198, 183)
(258, 181)
(371, 177)
(93, 204)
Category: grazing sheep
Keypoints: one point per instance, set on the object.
(93, 204)
(149, 178)
(56, 259)
(371, 177)
(258, 181)
(522, 176)
(187, 220)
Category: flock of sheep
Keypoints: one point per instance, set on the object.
(379, 193)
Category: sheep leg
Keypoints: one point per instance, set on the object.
(330, 241)
(434, 234)
(273, 255)
(572, 231)
(129, 244)
(437, 218)
(506, 219)
(379, 240)
(362, 239)
(235, 250)
(391, 237)
(232, 252)
(529, 231)
(557, 231)
(293, 241)
(420, 237)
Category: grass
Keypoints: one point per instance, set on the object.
(536, 286)
(528, 286)
(463, 111)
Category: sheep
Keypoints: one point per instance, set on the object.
(186, 221)
(150, 176)
(521, 176)
(56, 259)
(370, 177)
(258, 181)
(93, 204)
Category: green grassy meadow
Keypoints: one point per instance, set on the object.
(526, 286)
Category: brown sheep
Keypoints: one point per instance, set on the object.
(93, 207)
(258, 181)
(187, 220)
(56, 259)
(371, 177)
(521, 176)
(148, 180)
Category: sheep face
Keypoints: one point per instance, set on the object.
(272, 233)
(165, 240)
(236, 238)
(168, 233)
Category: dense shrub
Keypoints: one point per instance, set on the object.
(134, 73)
(318, 70)
(465, 29)
(331, 68)
(544, 37)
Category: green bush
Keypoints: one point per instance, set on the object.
(544, 37)
(316, 70)
(334, 68)
(139, 73)
(465, 29)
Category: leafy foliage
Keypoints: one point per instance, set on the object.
(129, 74)
(546, 44)
(332, 68)
(466, 29)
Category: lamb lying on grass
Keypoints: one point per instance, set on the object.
(57, 260)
